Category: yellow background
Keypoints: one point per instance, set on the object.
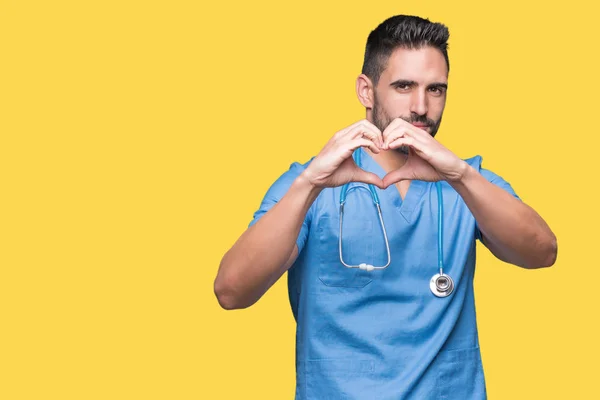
(138, 138)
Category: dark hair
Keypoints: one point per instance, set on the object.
(402, 31)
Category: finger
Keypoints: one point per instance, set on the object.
(399, 122)
(392, 126)
(396, 122)
(407, 129)
(418, 133)
(396, 176)
(403, 141)
(393, 135)
(367, 177)
(373, 128)
(367, 131)
(368, 125)
(363, 142)
(347, 129)
(406, 132)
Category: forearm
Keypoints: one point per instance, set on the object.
(513, 231)
(259, 257)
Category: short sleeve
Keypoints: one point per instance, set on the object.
(277, 190)
(496, 180)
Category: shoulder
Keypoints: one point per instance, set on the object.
(489, 175)
(286, 179)
(476, 162)
(295, 169)
(279, 188)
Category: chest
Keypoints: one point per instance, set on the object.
(402, 188)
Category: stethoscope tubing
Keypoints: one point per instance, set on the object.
(441, 284)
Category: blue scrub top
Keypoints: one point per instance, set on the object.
(382, 334)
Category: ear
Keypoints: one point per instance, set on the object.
(364, 91)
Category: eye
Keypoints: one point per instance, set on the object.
(403, 86)
(436, 90)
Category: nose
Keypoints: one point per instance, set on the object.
(418, 103)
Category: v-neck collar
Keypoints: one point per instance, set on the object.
(416, 189)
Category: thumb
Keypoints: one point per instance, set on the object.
(368, 177)
(396, 176)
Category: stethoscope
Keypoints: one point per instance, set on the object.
(440, 284)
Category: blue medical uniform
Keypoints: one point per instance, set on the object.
(382, 334)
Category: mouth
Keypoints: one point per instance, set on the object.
(420, 126)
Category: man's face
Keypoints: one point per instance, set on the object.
(412, 87)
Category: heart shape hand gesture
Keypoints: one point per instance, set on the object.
(428, 160)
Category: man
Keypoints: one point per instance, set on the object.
(373, 332)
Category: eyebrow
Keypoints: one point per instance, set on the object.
(406, 82)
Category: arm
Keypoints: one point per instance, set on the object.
(512, 230)
(266, 250)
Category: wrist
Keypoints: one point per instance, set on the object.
(303, 182)
(463, 176)
(460, 173)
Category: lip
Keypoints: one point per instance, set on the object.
(420, 126)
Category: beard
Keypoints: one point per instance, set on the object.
(381, 120)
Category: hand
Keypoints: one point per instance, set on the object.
(334, 166)
(428, 159)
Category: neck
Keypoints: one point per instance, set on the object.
(388, 160)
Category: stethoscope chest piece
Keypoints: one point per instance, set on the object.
(441, 285)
